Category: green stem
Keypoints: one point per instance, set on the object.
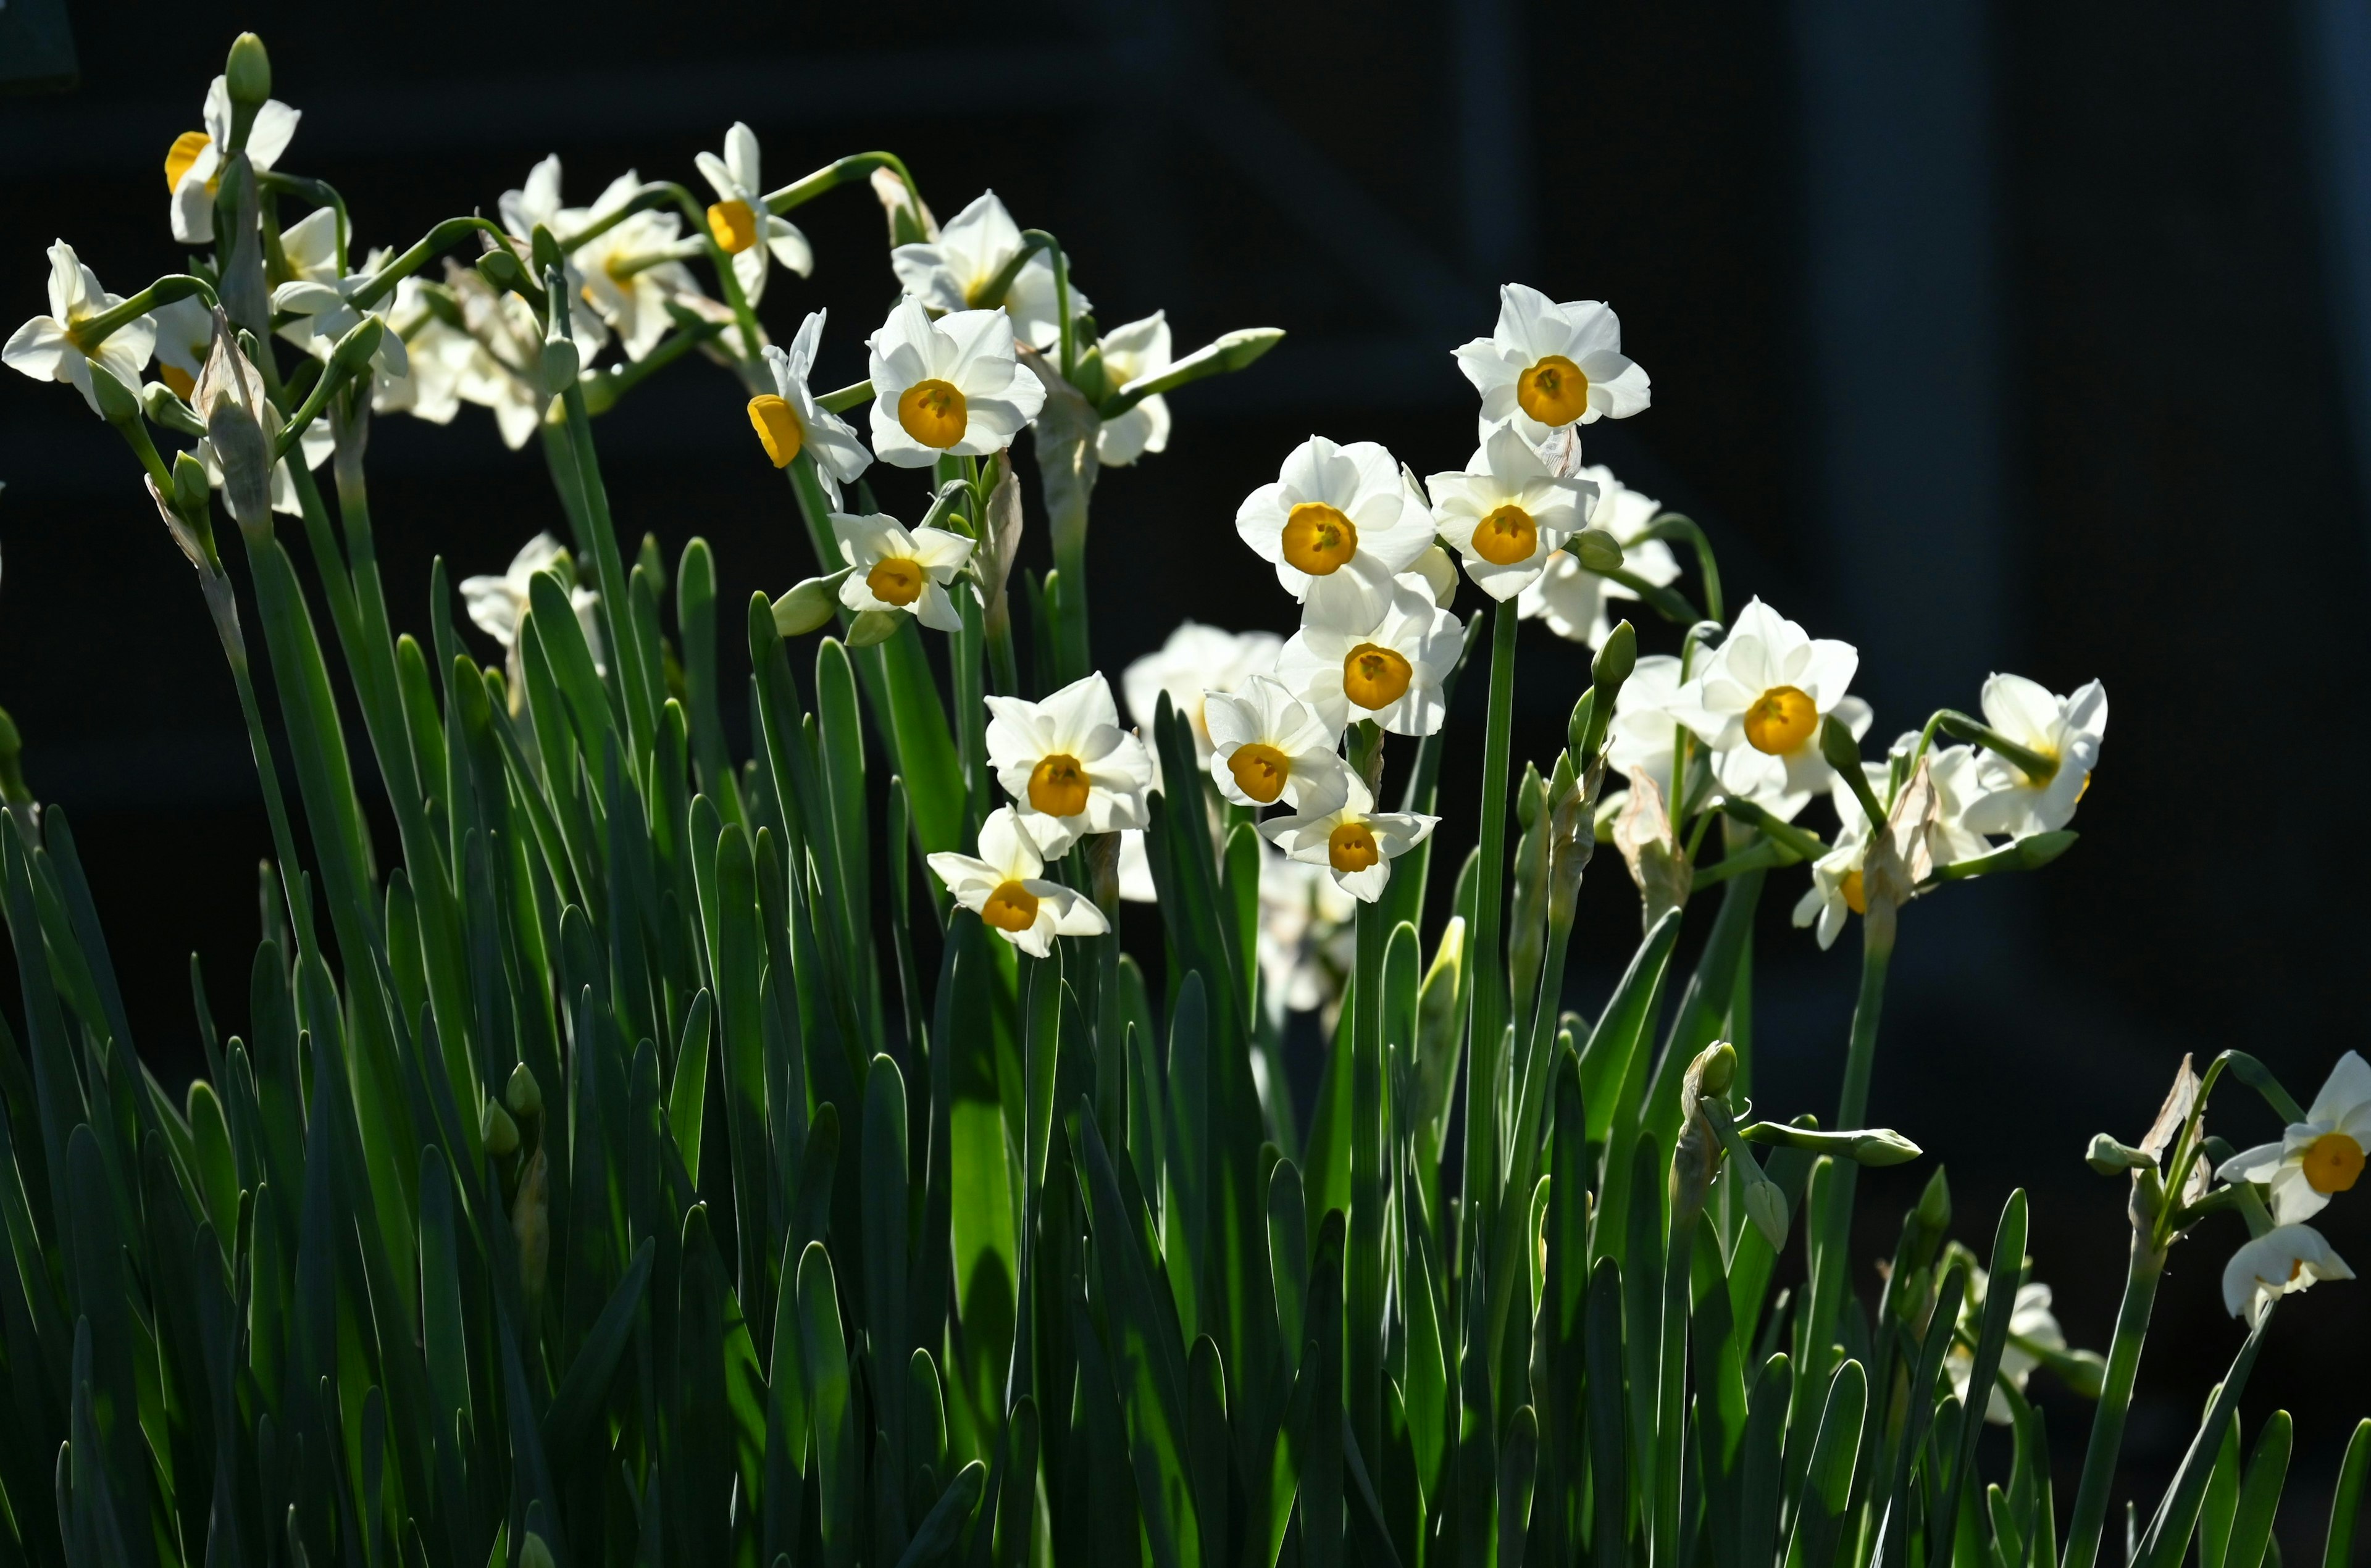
(617, 614)
(2146, 1268)
(445, 234)
(840, 171)
(1489, 1004)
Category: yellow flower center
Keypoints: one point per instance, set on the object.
(1010, 907)
(1318, 539)
(734, 225)
(1057, 785)
(182, 382)
(1554, 391)
(1374, 677)
(1260, 771)
(1856, 893)
(895, 581)
(2296, 1267)
(777, 426)
(1505, 536)
(1780, 720)
(2332, 1162)
(182, 153)
(1351, 848)
(932, 412)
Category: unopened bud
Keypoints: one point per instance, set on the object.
(1883, 1146)
(1596, 550)
(1837, 746)
(1576, 730)
(1238, 347)
(1530, 796)
(523, 1094)
(1616, 658)
(248, 73)
(497, 1131)
(872, 627)
(2111, 1157)
(118, 404)
(192, 493)
(1718, 1067)
(810, 606)
(166, 412)
(1765, 1205)
(534, 1554)
(356, 350)
(561, 363)
(1935, 1204)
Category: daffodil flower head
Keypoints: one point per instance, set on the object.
(1339, 525)
(2316, 1157)
(438, 355)
(49, 347)
(498, 604)
(789, 420)
(1642, 735)
(742, 224)
(185, 334)
(1390, 672)
(1508, 512)
(1549, 366)
(1005, 885)
(2282, 1261)
(321, 313)
(193, 164)
(1837, 888)
(898, 568)
(2032, 1326)
(1195, 661)
(2065, 730)
(1571, 598)
(1069, 768)
(309, 245)
(1131, 353)
(629, 272)
(501, 374)
(955, 271)
(1959, 785)
(949, 387)
(1267, 747)
(1353, 841)
(538, 204)
(1758, 705)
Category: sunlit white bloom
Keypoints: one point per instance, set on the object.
(47, 348)
(310, 247)
(1508, 512)
(1267, 747)
(1068, 767)
(742, 224)
(2319, 1156)
(2283, 1259)
(955, 272)
(629, 272)
(1835, 889)
(1130, 352)
(1195, 660)
(900, 569)
(2031, 1327)
(2065, 730)
(1392, 674)
(1339, 526)
(791, 422)
(436, 354)
(1306, 944)
(1354, 841)
(1005, 885)
(505, 373)
(497, 605)
(185, 334)
(193, 165)
(1954, 771)
(1550, 365)
(538, 204)
(323, 313)
(1136, 883)
(1758, 704)
(948, 386)
(1570, 597)
(1642, 735)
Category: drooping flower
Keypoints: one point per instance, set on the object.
(437, 355)
(1548, 365)
(1005, 885)
(1758, 702)
(1390, 672)
(1354, 841)
(1130, 352)
(2032, 1326)
(505, 375)
(193, 165)
(629, 272)
(742, 224)
(1068, 767)
(47, 347)
(1269, 747)
(947, 386)
(2319, 1156)
(321, 313)
(900, 569)
(1958, 787)
(1570, 597)
(789, 420)
(2065, 731)
(1339, 526)
(2283, 1261)
(1836, 887)
(497, 605)
(1196, 661)
(955, 272)
(1508, 512)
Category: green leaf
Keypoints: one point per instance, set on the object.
(2222, 1502)
(687, 1095)
(1613, 1071)
(839, 1468)
(1516, 1463)
(2251, 1527)
(2008, 1270)
(939, 1528)
(577, 1402)
(1757, 1491)
(2346, 1498)
(1828, 1482)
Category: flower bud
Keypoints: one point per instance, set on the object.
(1614, 663)
(1719, 1064)
(523, 1094)
(810, 606)
(168, 412)
(1935, 1204)
(872, 627)
(1837, 746)
(2109, 1158)
(1596, 550)
(1765, 1205)
(354, 352)
(497, 1131)
(192, 493)
(248, 73)
(1576, 729)
(531, 1224)
(1883, 1146)
(118, 404)
(561, 363)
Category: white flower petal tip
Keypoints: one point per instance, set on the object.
(1068, 767)
(1339, 526)
(2282, 1261)
(1353, 842)
(1549, 366)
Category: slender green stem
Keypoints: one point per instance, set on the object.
(840, 171)
(444, 235)
(94, 331)
(2032, 764)
(1489, 1004)
(2146, 1268)
(847, 398)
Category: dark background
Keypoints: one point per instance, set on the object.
(2010, 335)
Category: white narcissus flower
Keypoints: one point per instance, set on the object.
(2319, 1156)
(1196, 661)
(193, 165)
(1570, 596)
(953, 272)
(1548, 365)
(185, 335)
(1339, 526)
(2032, 1326)
(1835, 888)
(1306, 945)
(497, 605)
(1758, 702)
(1642, 735)
(1266, 747)
(2283, 1261)
(438, 355)
(310, 247)
(1391, 673)
(2065, 730)
(1131, 353)
(47, 348)
(898, 568)
(629, 272)
(789, 420)
(1068, 767)
(1005, 885)
(538, 203)
(1954, 772)
(949, 387)
(323, 313)
(740, 221)
(1507, 514)
(1354, 841)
